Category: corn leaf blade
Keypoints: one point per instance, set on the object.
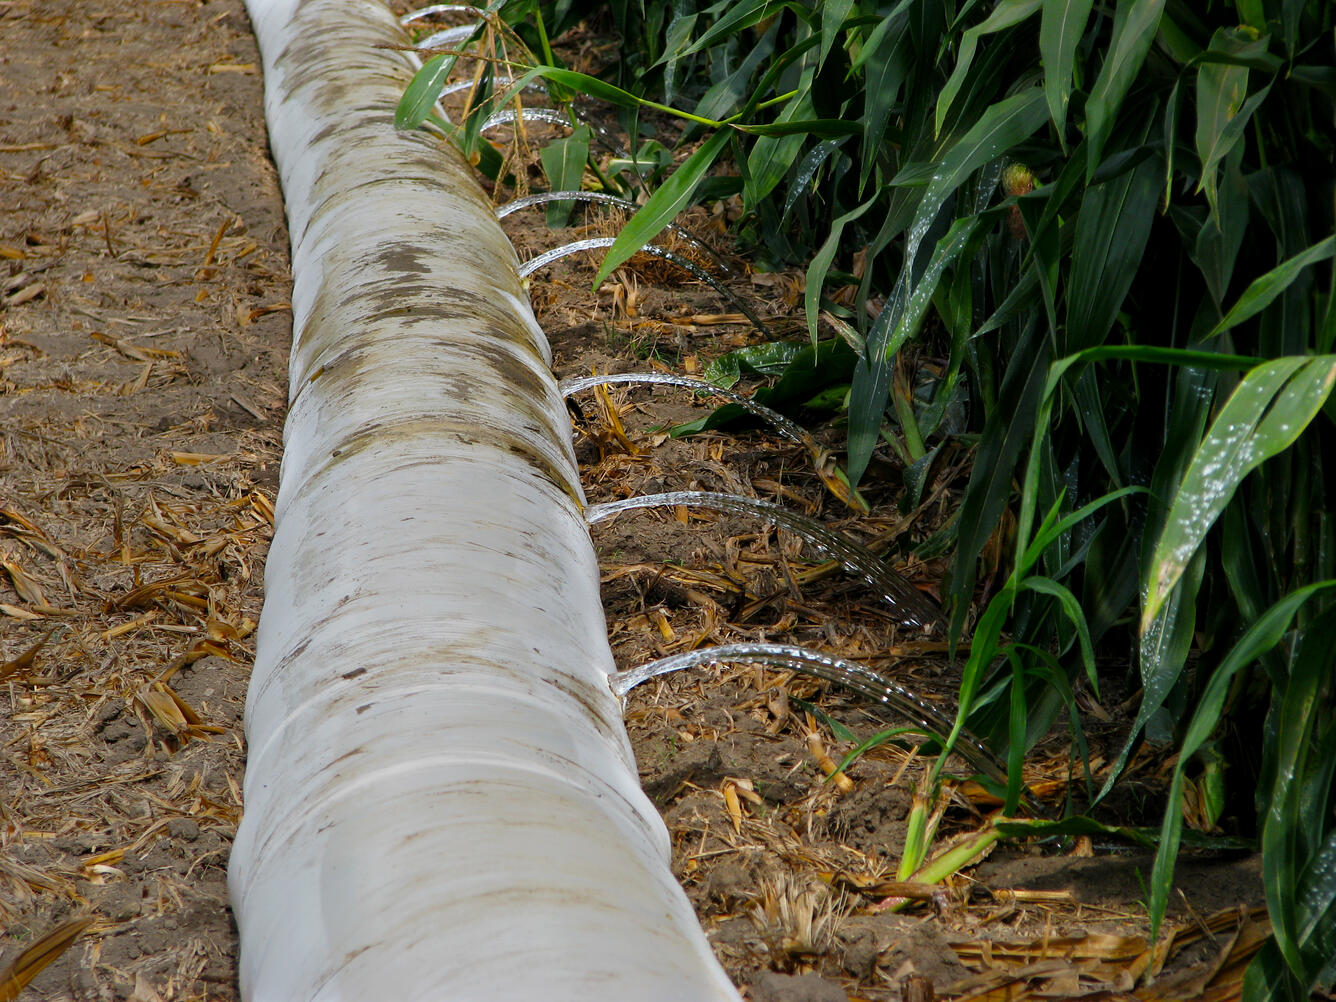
(1262, 637)
(1111, 234)
(1264, 415)
(1264, 290)
(422, 92)
(663, 206)
(1060, 29)
(1135, 23)
(1004, 15)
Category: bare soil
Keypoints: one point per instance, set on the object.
(144, 332)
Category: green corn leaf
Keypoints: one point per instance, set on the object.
(1076, 825)
(1080, 824)
(1060, 29)
(1223, 105)
(1002, 126)
(768, 359)
(774, 153)
(1007, 123)
(1129, 353)
(422, 92)
(675, 39)
(886, 60)
(1239, 563)
(1291, 19)
(841, 732)
(1219, 240)
(948, 249)
(1226, 141)
(564, 162)
(1054, 527)
(1004, 15)
(1264, 290)
(833, 14)
(1111, 233)
(985, 646)
(1317, 906)
(1161, 654)
(1135, 23)
(803, 370)
(1091, 408)
(601, 89)
(420, 97)
(1009, 425)
(957, 858)
(898, 320)
(1169, 132)
(1265, 414)
(739, 17)
(724, 96)
(1263, 636)
(1072, 608)
(1282, 857)
(1164, 648)
(806, 172)
(823, 128)
(821, 262)
(663, 206)
(1222, 88)
(1157, 355)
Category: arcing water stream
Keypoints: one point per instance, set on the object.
(855, 676)
(907, 602)
(594, 243)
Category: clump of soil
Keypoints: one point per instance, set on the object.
(143, 341)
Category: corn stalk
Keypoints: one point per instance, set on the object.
(441, 801)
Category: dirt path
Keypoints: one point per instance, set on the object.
(143, 348)
(143, 343)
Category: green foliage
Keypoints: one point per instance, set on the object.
(1114, 222)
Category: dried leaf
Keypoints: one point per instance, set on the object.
(174, 713)
(730, 792)
(145, 593)
(36, 958)
(10, 515)
(25, 660)
(158, 700)
(196, 458)
(137, 384)
(25, 295)
(262, 506)
(17, 612)
(827, 764)
(26, 587)
(133, 351)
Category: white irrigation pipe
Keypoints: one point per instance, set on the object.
(441, 802)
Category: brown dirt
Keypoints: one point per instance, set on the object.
(143, 339)
(143, 346)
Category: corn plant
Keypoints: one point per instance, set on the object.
(1114, 222)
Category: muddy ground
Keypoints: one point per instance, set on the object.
(144, 331)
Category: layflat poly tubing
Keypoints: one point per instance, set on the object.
(440, 799)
